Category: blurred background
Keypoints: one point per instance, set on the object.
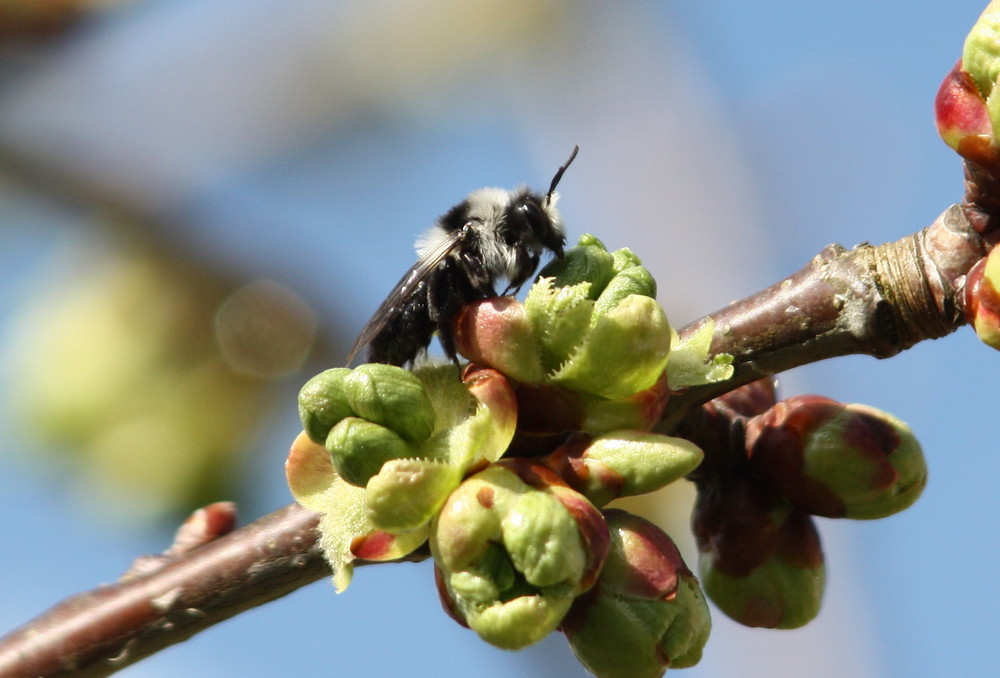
(202, 202)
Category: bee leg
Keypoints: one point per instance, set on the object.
(525, 266)
(446, 296)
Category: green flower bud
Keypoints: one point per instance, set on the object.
(623, 259)
(981, 55)
(513, 547)
(774, 595)
(542, 540)
(345, 533)
(323, 403)
(407, 493)
(640, 410)
(646, 613)
(761, 561)
(633, 280)
(392, 397)
(359, 447)
(837, 460)
(378, 493)
(588, 262)
(560, 318)
(624, 352)
(982, 298)
(589, 324)
(521, 621)
(623, 463)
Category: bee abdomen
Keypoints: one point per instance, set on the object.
(406, 333)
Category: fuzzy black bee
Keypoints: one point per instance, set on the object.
(493, 234)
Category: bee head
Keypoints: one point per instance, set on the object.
(543, 218)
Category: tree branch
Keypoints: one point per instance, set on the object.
(101, 631)
(869, 300)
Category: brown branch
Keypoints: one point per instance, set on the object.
(872, 300)
(101, 631)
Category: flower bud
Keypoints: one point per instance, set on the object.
(966, 110)
(590, 325)
(633, 280)
(623, 259)
(407, 493)
(962, 119)
(623, 463)
(837, 460)
(640, 410)
(323, 403)
(624, 352)
(359, 447)
(345, 532)
(750, 399)
(982, 298)
(514, 547)
(761, 561)
(392, 397)
(496, 333)
(981, 54)
(588, 262)
(560, 316)
(646, 613)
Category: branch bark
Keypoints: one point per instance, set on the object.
(875, 300)
(871, 300)
(101, 631)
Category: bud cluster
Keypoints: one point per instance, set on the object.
(761, 558)
(505, 474)
(578, 374)
(588, 350)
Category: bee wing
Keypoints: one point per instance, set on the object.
(418, 273)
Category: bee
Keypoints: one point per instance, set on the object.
(493, 234)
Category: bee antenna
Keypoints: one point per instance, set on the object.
(559, 173)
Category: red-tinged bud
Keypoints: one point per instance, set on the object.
(643, 561)
(837, 460)
(761, 560)
(547, 413)
(589, 521)
(982, 298)
(496, 333)
(750, 399)
(647, 612)
(967, 106)
(963, 120)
